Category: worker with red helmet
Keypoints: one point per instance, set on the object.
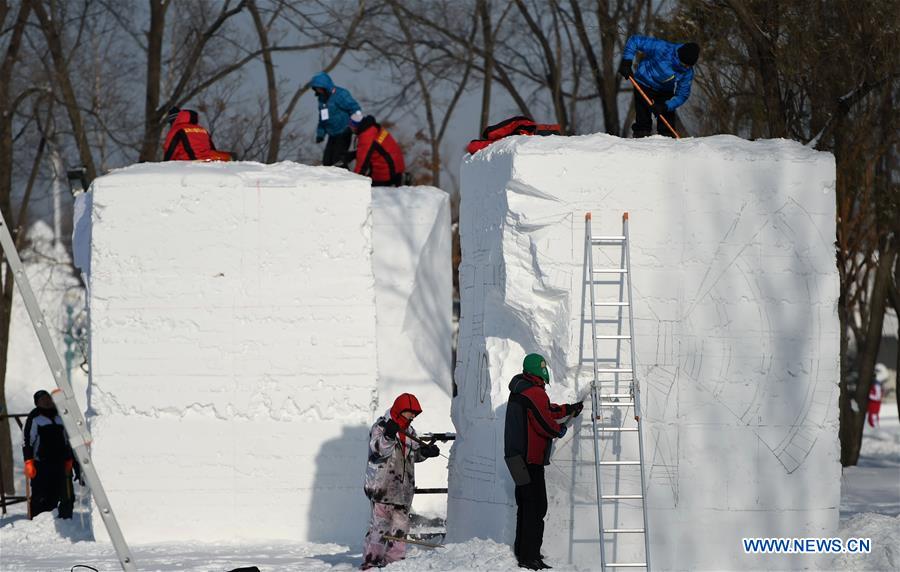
(390, 484)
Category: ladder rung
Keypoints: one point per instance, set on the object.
(616, 403)
(626, 565)
(623, 531)
(620, 497)
(610, 270)
(615, 370)
(620, 462)
(613, 337)
(611, 304)
(614, 395)
(616, 429)
(596, 239)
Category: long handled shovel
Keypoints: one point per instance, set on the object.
(650, 102)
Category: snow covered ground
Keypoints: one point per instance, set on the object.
(870, 508)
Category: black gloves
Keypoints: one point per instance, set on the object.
(429, 451)
(574, 409)
(76, 473)
(391, 428)
(625, 69)
(659, 107)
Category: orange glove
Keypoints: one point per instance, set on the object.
(30, 469)
(69, 463)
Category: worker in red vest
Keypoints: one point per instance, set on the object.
(377, 154)
(876, 392)
(188, 141)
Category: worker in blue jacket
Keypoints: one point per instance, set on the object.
(665, 73)
(336, 108)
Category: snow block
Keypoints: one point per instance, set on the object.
(414, 304)
(736, 341)
(233, 354)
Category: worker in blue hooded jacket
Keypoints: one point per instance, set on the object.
(665, 73)
(336, 108)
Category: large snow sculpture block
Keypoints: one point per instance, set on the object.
(233, 352)
(414, 300)
(736, 338)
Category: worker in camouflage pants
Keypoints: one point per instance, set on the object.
(390, 480)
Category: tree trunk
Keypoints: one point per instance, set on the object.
(895, 302)
(763, 56)
(554, 78)
(6, 166)
(867, 353)
(152, 113)
(275, 125)
(67, 90)
(487, 34)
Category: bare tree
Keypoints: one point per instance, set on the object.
(432, 72)
(13, 22)
(302, 23)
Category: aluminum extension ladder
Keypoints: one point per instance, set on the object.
(64, 398)
(605, 385)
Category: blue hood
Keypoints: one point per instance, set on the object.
(322, 80)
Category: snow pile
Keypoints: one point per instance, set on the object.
(232, 349)
(414, 299)
(736, 339)
(44, 528)
(883, 531)
(473, 555)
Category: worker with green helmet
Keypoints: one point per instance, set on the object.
(531, 423)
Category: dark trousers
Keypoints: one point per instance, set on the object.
(643, 117)
(336, 149)
(531, 500)
(52, 487)
(395, 182)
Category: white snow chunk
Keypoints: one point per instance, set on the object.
(736, 341)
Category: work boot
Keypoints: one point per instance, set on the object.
(640, 133)
(533, 564)
(544, 564)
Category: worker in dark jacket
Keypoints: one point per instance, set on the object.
(336, 108)
(665, 73)
(531, 424)
(48, 459)
(188, 141)
(377, 154)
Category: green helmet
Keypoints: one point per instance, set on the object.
(535, 364)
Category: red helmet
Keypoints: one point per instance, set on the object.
(405, 402)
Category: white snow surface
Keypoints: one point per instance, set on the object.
(736, 333)
(48, 544)
(411, 256)
(233, 349)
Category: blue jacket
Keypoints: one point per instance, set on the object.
(340, 105)
(660, 69)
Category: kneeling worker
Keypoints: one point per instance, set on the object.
(188, 141)
(378, 155)
(390, 480)
(531, 423)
